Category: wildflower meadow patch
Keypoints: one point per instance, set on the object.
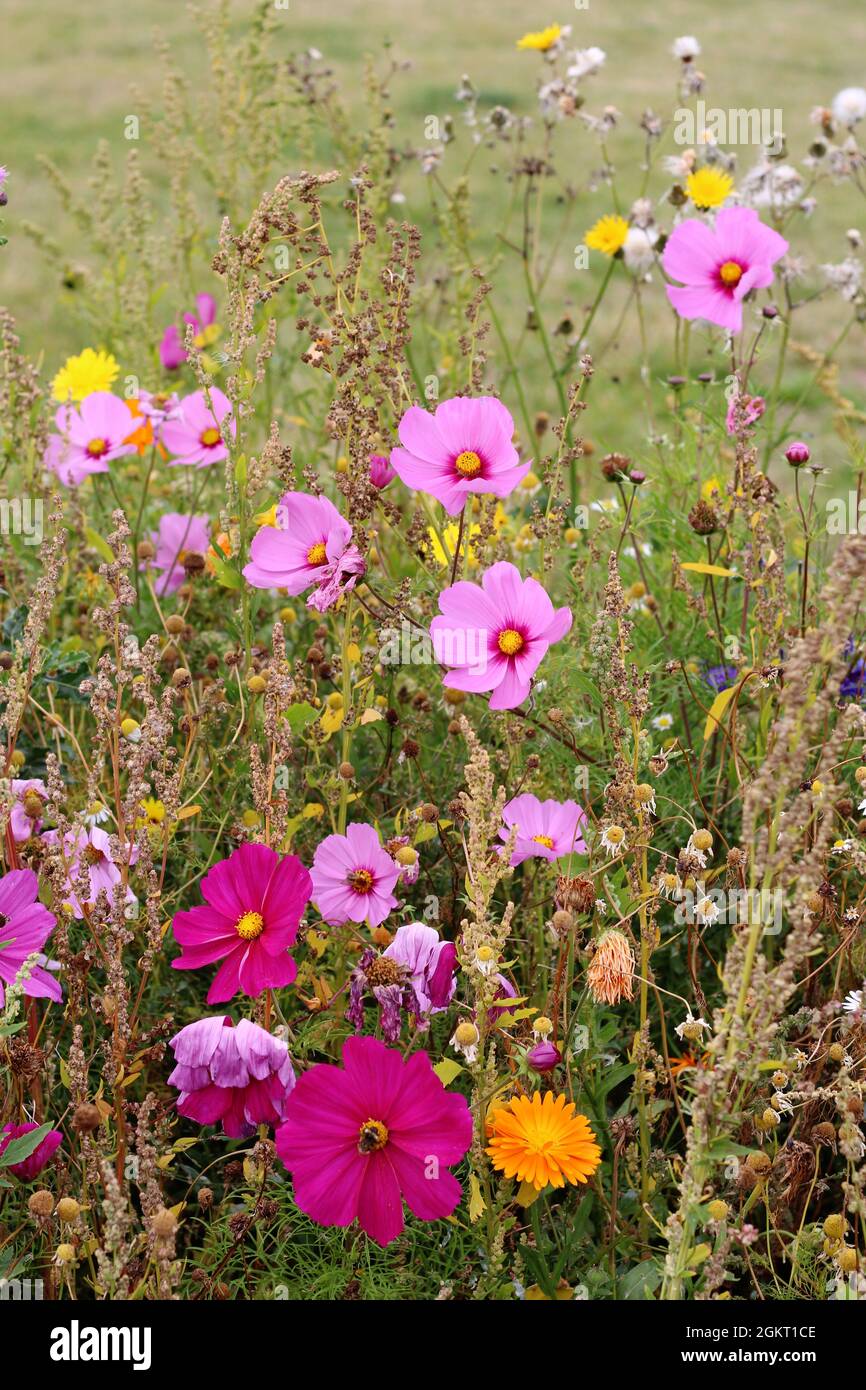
(432, 642)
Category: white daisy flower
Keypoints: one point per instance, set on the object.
(692, 1028)
(613, 839)
(587, 61)
(849, 105)
(663, 722)
(853, 1002)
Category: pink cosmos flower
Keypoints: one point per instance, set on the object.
(744, 411)
(158, 407)
(354, 877)
(31, 1166)
(25, 818)
(254, 902)
(429, 964)
(89, 437)
(545, 829)
(25, 926)
(464, 446)
(194, 437)
(90, 849)
(178, 535)
(495, 634)
(240, 1076)
(308, 548)
(381, 472)
(360, 1138)
(172, 353)
(719, 265)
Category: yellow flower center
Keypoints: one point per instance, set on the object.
(97, 447)
(251, 925)
(372, 1136)
(510, 641)
(317, 554)
(468, 463)
(730, 274)
(543, 840)
(361, 880)
(210, 437)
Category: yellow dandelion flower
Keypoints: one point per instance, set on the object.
(154, 812)
(542, 1140)
(541, 39)
(79, 376)
(708, 188)
(607, 235)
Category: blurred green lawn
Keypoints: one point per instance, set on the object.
(70, 69)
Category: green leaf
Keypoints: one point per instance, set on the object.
(639, 1282)
(226, 574)
(446, 1070)
(299, 716)
(18, 1149)
(95, 541)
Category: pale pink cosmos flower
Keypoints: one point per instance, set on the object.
(177, 535)
(25, 926)
(743, 412)
(545, 829)
(25, 817)
(172, 353)
(308, 548)
(238, 1077)
(89, 437)
(495, 634)
(719, 265)
(463, 447)
(90, 849)
(194, 436)
(354, 877)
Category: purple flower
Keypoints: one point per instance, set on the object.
(25, 926)
(544, 1057)
(31, 1166)
(430, 964)
(30, 795)
(381, 472)
(177, 536)
(545, 829)
(172, 353)
(89, 438)
(240, 1077)
(720, 677)
(719, 265)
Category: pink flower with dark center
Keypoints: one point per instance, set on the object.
(239, 1077)
(381, 472)
(494, 635)
(195, 436)
(31, 1166)
(89, 437)
(254, 902)
(719, 265)
(361, 1138)
(463, 447)
(90, 850)
(177, 536)
(30, 795)
(545, 829)
(429, 964)
(354, 877)
(172, 353)
(743, 412)
(308, 548)
(25, 926)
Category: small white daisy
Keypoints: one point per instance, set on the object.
(613, 839)
(663, 722)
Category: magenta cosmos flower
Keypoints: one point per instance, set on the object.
(240, 1076)
(359, 1138)
(89, 438)
(178, 535)
(172, 353)
(464, 446)
(25, 926)
(495, 634)
(719, 265)
(25, 818)
(381, 472)
(545, 829)
(254, 902)
(429, 964)
(354, 877)
(308, 548)
(31, 1166)
(194, 435)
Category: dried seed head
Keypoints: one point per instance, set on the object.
(40, 1204)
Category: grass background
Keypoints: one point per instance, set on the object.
(68, 86)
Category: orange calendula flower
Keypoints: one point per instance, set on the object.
(541, 1140)
(611, 972)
